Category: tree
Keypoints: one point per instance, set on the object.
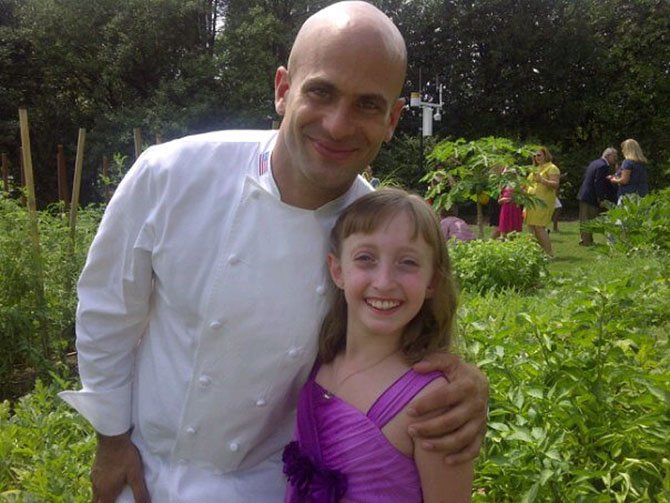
(108, 66)
(473, 171)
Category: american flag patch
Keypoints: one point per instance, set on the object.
(263, 163)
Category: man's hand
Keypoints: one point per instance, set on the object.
(460, 430)
(117, 464)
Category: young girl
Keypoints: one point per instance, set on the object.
(395, 302)
(511, 217)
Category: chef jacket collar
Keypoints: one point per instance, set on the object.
(329, 210)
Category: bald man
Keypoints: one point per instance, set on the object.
(204, 289)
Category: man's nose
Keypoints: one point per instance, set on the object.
(338, 121)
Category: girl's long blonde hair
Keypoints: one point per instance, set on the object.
(432, 329)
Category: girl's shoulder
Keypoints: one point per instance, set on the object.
(396, 430)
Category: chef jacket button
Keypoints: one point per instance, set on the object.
(320, 289)
(234, 446)
(204, 381)
(261, 402)
(233, 259)
(191, 430)
(215, 325)
(293, 352)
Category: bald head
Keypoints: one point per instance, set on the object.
(354, 22)
(339, 99)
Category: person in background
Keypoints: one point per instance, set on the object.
(395, 302)
(204, 288)
(370, 177)
(543, 182)
(511, 214)
(594, 191)
(454, 227)
(632, 175)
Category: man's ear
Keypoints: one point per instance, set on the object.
(282, 85)
(335, 269)
(394, 117)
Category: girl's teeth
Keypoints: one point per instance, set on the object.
(383, 304)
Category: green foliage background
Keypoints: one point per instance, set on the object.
(577, 75)
(36, 332)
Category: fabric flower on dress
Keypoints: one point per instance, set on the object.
(313, 483)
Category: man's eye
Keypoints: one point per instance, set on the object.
(370, 106)
(319, 92)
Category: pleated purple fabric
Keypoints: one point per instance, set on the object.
(341, 455)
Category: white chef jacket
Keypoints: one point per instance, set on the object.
(199, 309)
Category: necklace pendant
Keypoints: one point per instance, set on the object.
(327, 395)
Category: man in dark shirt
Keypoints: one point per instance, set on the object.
(595, 190)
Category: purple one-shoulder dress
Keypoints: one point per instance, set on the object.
(341, 454)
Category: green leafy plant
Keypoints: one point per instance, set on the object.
(578, 389)
(23, 316)
(517, 263)
(472, 171)
(46, 449)
(639, 224)
(110, 180)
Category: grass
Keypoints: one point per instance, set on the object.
(568, 255)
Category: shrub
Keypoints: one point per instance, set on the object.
(37, 291)
(46, 450)
(578, 389)
(517, 263)
(640, 224)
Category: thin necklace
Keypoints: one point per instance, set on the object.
(340, 382)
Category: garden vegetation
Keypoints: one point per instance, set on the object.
(578, 362)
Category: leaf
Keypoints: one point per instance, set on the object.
(520, 434)
(531, 494)
(545, 475)
(499, 427)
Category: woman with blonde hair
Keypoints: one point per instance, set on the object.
(543, 182)
(631, 177)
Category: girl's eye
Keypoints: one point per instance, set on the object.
(409, 262)
(364, 257)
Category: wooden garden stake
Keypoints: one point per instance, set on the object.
(32, 209)
(22, 174)
(76, 183)
(27, 162)
(137, 135)
(5, 172)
